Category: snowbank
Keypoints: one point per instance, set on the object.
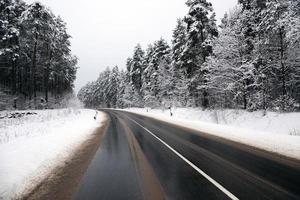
(32, 145)
(275, 132)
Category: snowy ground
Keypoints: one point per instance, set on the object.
(34, 143)
(275, 132)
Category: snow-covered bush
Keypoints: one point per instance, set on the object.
(285, 103)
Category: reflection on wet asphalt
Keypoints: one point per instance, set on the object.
(115, 173)
(179, 180)
(112, 174)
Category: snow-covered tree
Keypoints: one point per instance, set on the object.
(121, 89)
(178, 43)
(131, 97)
(36, 22)
(10, 12)
(136, 66)
(199, 34)
(279, 24)
(201, 30)
(252, 63)
(35, 54)
(165, 78)
(151, 85)
(112, 87)
(231, 74)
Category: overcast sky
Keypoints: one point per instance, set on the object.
(104, 32)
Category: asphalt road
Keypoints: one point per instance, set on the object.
(143, 158)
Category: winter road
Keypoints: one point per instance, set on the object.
(143, 158)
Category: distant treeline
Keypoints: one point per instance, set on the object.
(251, 61)
(35, 55)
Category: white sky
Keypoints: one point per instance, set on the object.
(104, 32)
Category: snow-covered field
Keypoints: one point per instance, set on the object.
(275, 132)
(34, 143)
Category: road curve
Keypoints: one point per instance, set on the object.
(144, 158)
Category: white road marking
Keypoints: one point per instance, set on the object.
(219, 186)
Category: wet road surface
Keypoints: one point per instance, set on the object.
(143, 158)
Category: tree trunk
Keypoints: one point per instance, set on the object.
(20, 80)
(34, 67)
(205, 102)
(245, 101)
(46, 79)
(283, 70)
(13, 77)
(46, 74)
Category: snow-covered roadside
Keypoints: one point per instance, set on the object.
(33, 145)
(278, 133)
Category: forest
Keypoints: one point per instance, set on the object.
(36, 62)
(250, 61)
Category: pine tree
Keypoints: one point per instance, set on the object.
(35, 54)
(136, 66)
(178, 69)
(121, 89)
(278, 24)
(130, 97)
(60, 59)
(253, 63)
(155, 55)
(165, 79)
(201, 29)
(10, 12)
(178, 43)
(230, 73)
(35, 20)
(112, 88)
